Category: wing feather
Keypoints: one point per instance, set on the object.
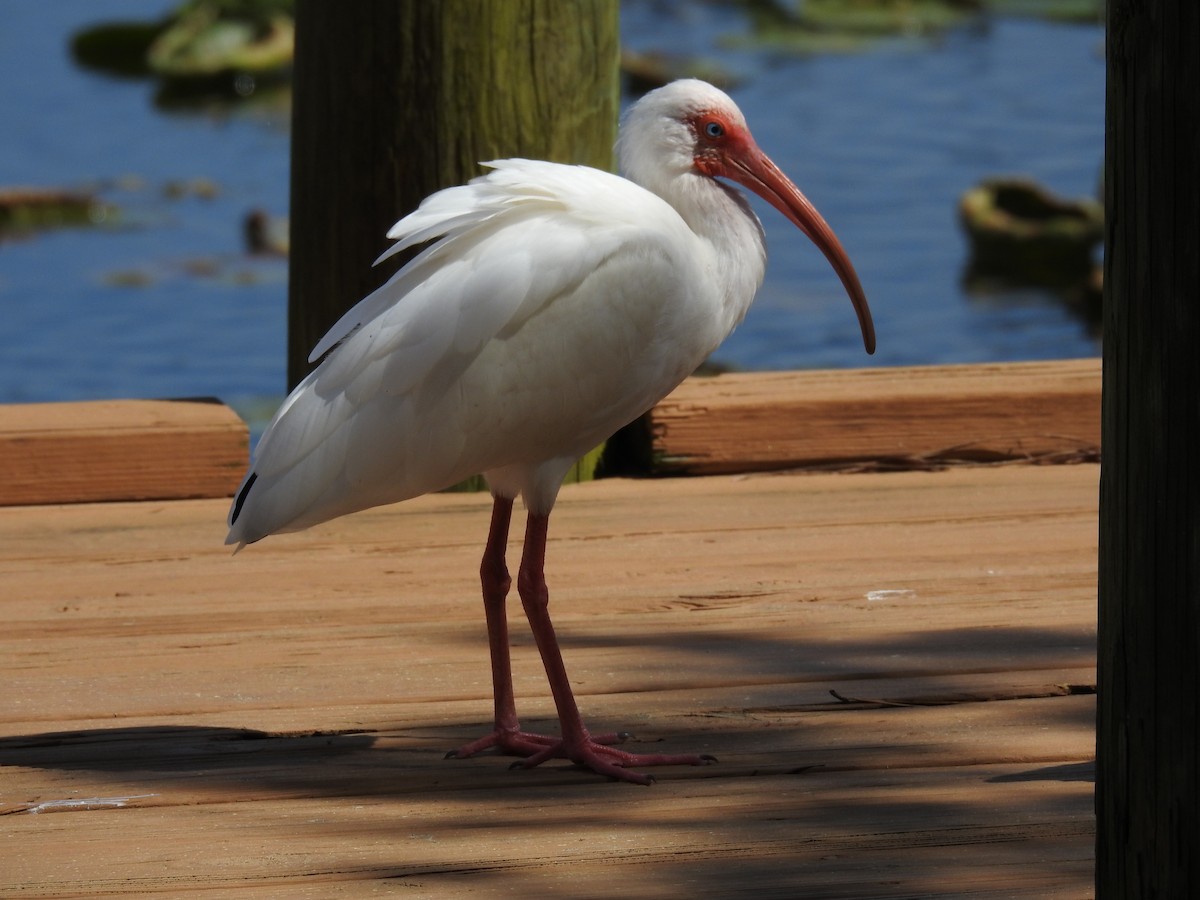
(370, 424)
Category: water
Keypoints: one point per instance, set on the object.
(165, 303)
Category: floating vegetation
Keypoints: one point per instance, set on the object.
(210, 37)
(230, 271)
(27, 209)
(199, 187)
(228, 48)
(1083, 12)
(117, 48)
(813, 26)
(1021, 233)
(841, 26)
(128, 278)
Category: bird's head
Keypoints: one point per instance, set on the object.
(690, 127)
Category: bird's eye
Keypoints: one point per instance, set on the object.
(714, 129)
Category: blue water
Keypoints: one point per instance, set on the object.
(164, 302)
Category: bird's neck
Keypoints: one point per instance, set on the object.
(729, 233)
(720, 217)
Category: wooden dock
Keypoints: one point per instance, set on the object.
(895, 669)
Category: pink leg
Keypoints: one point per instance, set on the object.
(507, 736)
(576, 744)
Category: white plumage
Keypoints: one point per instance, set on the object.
(556, 304)
(484, 352)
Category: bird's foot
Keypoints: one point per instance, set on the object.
(514, 742)
(597, 755)
(509, 741)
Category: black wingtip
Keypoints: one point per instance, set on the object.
(241, 497)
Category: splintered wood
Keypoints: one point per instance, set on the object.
(894, 670)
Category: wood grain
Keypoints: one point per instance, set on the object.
(176, 719)
(104, 450)
(909, 416)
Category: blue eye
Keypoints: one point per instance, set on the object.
(714, 130)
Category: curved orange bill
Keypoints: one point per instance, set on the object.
(753, 169)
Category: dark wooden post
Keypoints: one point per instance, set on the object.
(1148, 741)
(395, 99)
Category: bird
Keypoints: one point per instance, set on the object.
(548, 306)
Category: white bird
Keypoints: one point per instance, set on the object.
(556, 304)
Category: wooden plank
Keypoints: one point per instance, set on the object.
(114, 450)
(109, 450)
(910, 416)
(821, 834)
(175, 718)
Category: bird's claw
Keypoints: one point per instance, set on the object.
(514, 742)
(509, 742)
(596, 753)
(605, 760)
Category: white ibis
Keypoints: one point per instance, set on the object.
(556, 304)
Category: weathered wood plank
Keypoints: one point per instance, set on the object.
(274, 722)
(834, 834)
(922, 415)
(151, 449)
(860, 574)
(109, 450)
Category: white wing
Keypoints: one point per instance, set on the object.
(559, 303)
